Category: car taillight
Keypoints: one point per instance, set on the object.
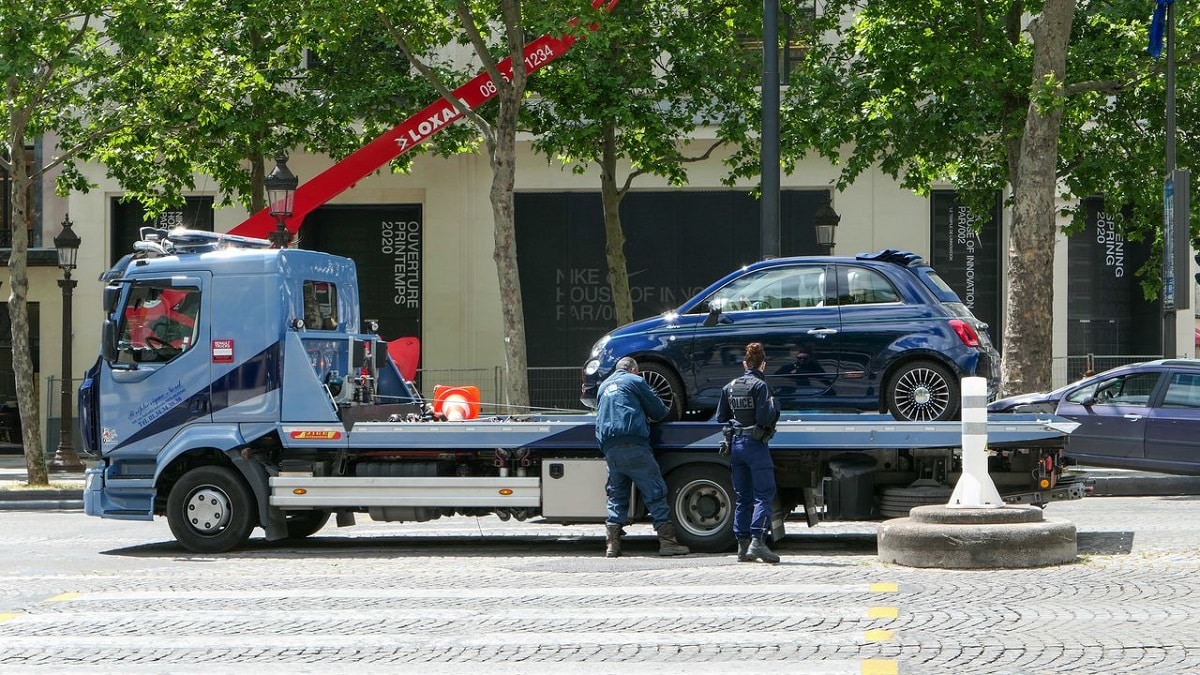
(966, 332)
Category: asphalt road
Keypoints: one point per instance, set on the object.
(79, 594)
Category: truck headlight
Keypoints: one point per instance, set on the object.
(591, 367)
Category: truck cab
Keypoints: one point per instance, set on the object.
(212, 342)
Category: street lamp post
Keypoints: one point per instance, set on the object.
(67, 245)
(280, 186)
(825, 222)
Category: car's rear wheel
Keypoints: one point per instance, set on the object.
(923, 391)
(667, 385)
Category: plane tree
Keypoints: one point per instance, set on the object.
(87, 77)
(168, 97)
(662, 86)
(448, 42)
(1049, 102)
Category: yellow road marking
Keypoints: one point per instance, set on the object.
(63, 597)
(6, 617)
(883, 612)
(889, 587)
(880, 635)
(880, 667)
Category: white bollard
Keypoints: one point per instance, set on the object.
(975, 489)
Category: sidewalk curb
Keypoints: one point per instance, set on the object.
(1145, 486)
(42, 505)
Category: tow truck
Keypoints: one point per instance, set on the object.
(271, 403)
(238, 386)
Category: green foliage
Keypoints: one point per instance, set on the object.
(939, 92)
(653, 74)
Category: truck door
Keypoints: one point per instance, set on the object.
(159, 380)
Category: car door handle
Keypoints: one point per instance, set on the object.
(1133, 418)
(822, 332)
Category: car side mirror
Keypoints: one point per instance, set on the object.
(714, 315)
(1088, 402)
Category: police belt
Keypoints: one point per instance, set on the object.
(756, 432)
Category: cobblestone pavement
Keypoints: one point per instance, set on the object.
(465, 594)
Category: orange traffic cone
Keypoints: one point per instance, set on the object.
(456, 403)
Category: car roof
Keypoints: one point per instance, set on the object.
(894, 256)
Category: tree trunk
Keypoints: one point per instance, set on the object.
(504, 163)
(1028, 330)
(18, 312)
(614, 234)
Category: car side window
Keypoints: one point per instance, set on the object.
(775, 288)
(1126, 390)
(1183, 391)
(864, 286)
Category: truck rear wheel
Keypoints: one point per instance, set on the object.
(701, 498)
(211, 510)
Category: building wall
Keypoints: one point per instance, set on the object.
(461, 302)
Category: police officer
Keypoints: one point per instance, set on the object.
(750, 412)
(626, 405)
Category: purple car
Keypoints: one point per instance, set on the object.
(1141, 416)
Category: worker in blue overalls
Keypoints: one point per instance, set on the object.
(626, 406)
(750, 412)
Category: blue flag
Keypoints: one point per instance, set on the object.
(1158, 27)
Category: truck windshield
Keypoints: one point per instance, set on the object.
(158, 324)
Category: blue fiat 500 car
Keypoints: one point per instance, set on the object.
(879, 332)
(1142, 416)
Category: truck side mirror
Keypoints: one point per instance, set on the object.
(108, 341)
(111, 295)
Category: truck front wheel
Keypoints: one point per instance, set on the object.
(210, 510)
(701, 498)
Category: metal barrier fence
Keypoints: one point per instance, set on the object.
(1068, 369)
(555, 388)
(551, 389)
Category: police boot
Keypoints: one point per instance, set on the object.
(612, 540)
(758, 551)
(667, 544)
(743, 546)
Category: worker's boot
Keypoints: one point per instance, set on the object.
(758, 551)
(743, 547)
(612, 541)
(667, 544)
